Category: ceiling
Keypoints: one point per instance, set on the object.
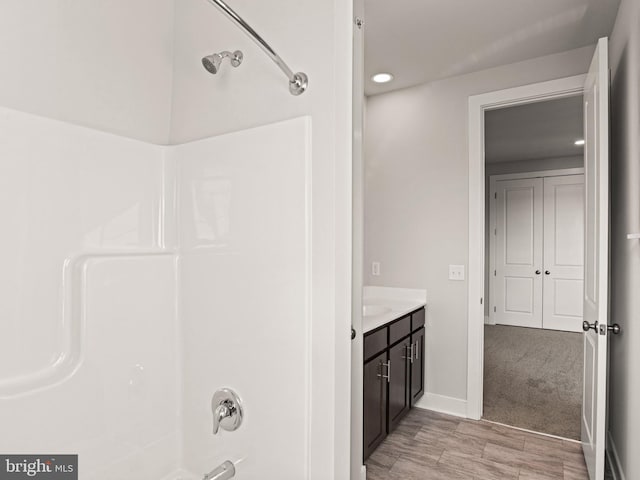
(419, 41)
(533, 131)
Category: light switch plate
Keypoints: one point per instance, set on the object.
(456, 272)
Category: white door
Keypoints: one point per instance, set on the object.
(596, 123)
(563, 253)
(518, 266)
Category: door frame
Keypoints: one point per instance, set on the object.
(493, 180)
(478, 105)
(357, 468)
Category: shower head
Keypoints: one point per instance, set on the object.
(212, 62)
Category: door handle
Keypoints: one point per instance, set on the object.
(615, 328)
(547, 272)
(353, 333)
(586, 326)
(538, 272)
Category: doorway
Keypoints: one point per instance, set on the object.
(534, 239)
(478, 185)
(595, 305)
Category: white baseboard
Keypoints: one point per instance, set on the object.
(363, 473)
(443, 404)
(614, 460)
(488, 320)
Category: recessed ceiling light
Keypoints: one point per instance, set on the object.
(382, 77)
(579, 142)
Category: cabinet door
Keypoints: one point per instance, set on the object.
(399, 359)
(375, 403)
(417, 366)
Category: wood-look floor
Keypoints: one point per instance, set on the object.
(430, 445)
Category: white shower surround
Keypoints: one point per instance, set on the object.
(153, 276)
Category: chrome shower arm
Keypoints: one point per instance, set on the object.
(297, 81)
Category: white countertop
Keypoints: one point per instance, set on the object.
(398, 301)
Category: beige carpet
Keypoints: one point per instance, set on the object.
(533, 379)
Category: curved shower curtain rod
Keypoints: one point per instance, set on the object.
(297, 81)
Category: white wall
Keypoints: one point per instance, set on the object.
(314, 37)
(89, 361)
(416, 202)
(91, 233)
(243, 303)
(102, 64)
(624, 381)
(111, 66)
(520, 166)
(257, 92)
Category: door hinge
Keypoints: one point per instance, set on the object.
(495, 231)
(480, 300)
(494, 309)
(495, 195)
(495, 273)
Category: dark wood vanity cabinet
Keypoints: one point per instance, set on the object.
(393, 375)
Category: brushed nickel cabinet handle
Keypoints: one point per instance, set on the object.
(408, 352)
(388, 375)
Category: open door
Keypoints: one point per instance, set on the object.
(596, 265)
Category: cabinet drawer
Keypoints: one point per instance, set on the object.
(399, 329)
(375, 342)
(417, 320)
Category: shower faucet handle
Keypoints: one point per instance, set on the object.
(227, 410)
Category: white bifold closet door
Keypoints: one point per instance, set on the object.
(538, 276)
(518, 235)
(563, 253)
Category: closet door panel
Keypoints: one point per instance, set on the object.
(563, 252)
(518, 264)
